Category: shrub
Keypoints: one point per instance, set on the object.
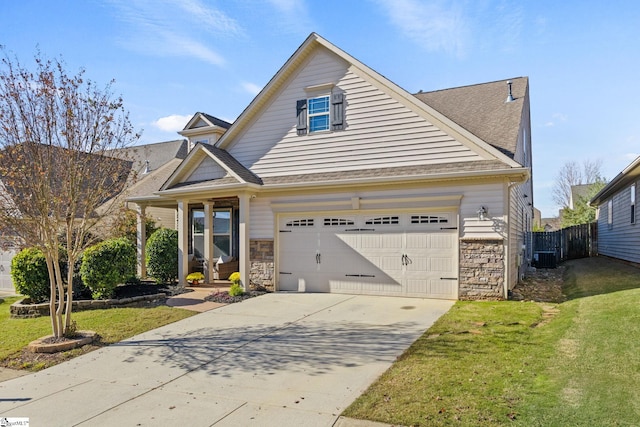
(107, 264)
(162, 255)
(235, 290)
(30, 275)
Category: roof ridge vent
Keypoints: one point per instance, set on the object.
(510, 97)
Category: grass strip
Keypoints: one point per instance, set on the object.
(112, 325)
(523, 363)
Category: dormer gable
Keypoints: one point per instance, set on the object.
(208, 163)
(204, 128)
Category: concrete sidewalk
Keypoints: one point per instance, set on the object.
(275, 360)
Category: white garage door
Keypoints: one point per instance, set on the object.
(408, 254)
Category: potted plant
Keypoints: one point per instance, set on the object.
(195, 278)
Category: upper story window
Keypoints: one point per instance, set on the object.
(320, 113)
(610, 212)
(632, 189)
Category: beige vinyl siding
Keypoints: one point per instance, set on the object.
(207, 169)
(520, 218)
(621, 239)
(473, 196)
(491, 196)
(163, 217)
(521, 207)
(379, 132)
(261, 219)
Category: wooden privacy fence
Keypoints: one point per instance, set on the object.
(553, 247)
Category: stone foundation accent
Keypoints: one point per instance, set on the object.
(261, 262)
(22, 310)
(481, 269)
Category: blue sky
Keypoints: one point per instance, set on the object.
(172, 58)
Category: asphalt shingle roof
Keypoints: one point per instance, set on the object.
(481, 109)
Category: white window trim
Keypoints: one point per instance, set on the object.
(230, 233)
(324, 113)
(633, 194)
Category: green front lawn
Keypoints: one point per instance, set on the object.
(524, 363)
(112, 325)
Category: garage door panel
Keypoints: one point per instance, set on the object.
(417, 264)
(442, 289)
(417, 241)
(417, 286)
(440, 264)
(440, 241)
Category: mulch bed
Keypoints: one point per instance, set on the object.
(223, 297)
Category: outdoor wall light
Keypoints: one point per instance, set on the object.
(482, 213)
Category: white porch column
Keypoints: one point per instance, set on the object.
(141, 240)
(243, 250)
(208, 243)
(183, 241)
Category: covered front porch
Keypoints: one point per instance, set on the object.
(213, 234)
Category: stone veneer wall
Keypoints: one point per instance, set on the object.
(261, 260)
(481, 269)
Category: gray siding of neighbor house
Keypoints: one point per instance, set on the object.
(621, 239)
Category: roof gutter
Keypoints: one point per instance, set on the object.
(516, 175)
(611, 186)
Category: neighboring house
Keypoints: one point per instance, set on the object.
(551, 224)
(14, 194)
(152, 164)
(578, 191)
(335, 179)
(618, 229)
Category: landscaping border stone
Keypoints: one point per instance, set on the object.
(22, 310)
(42, 345)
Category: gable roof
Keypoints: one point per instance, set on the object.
(629, 175)
(482, 110)
(238, 173)
(207, 119)
(110, 173)
(314, 41)
(157, 154)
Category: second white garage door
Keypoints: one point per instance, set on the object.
(408, 254)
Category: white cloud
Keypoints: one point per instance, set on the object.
(172, 123)
(556, 119)
(251, 88)
(435, 25)
(174, 28)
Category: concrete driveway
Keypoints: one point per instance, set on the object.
(276, 360)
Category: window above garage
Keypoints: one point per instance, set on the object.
(320, 112)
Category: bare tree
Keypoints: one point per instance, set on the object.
(55, 129)
(572, 174)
